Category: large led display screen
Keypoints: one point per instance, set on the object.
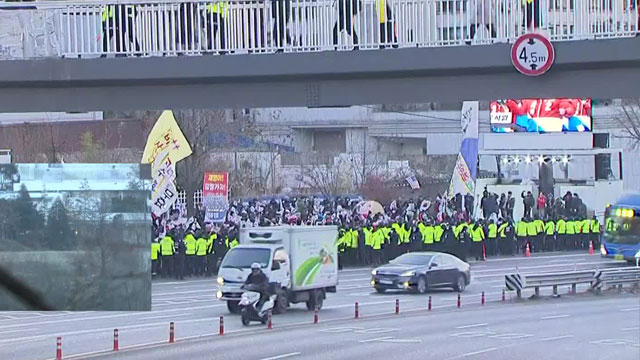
(541, 115)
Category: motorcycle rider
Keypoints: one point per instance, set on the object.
(260, 282)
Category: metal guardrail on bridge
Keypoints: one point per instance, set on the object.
(169, 27)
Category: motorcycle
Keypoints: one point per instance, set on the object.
(249, 301)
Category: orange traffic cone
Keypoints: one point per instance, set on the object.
(527, 251)
(591, 247)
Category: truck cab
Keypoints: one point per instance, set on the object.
(236, 267)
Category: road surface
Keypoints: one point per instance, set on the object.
(192, 306)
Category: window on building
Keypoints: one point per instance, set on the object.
(332, 140)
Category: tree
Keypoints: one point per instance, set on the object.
(629, 119)
(59, 235)
(30, 218)
(330, 177)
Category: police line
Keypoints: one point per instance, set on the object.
(596, 278)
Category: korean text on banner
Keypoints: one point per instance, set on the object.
(215, 195)
(464, 173)
(166, 135)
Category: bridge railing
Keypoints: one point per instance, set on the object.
(169, 27)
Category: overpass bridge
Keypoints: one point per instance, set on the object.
(133, 54)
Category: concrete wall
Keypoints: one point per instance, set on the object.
(83, 280)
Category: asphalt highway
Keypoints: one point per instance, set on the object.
(191, 304)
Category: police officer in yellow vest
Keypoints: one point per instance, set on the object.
(521, 233)
(167, 250)
(492, 238)
(190, 243)
(216, 15)
(117, 20)
(155, 256)
(571, 233)
(532, 232)
(211, 254)
(595, 232)
(387, 35)
(561, 234)
(477, 238)
(549, 235)
(201, 255)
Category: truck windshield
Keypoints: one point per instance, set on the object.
(244, 257)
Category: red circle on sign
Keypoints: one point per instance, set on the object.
(527, 71)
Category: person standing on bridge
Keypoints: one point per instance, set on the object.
(347, 9)
(482, 14)
(532, 14)
(280, 13)
(216, 14)
(117, 20)
(387, 33)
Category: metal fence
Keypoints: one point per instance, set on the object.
(166, 28)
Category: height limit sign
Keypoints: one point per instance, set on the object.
(532, 54)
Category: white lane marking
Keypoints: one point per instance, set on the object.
(510, 336)
(557, 337)
(282, 356)
(472, 334)
(376, 339)
(611, 342)
(183, 282)
(184, 292)
(533, 258)
(471, 326)
(479, 352)
(630, 309)
(353, 270)
(15, 331)
(341, 329)
(162, 317)
(402, 341)
(106, 316)
(375, 331)
(554, 317)
(631, 328)
(360, 294)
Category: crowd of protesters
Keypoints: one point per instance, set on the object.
(373, 235)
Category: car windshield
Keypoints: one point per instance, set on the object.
(244, 257)
(622, 230)
(411, 259)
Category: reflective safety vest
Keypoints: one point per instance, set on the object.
(437, 233)
(458, 229)
(493, 231)
(539, 225)
(221, 8)
(502, 230)
(354, 238)
(201, 245)
(571, 227)
(166, 244)
(368, 236)
(521, 229)
(233, 243)
(109, 12)
(190, 244)
(532, 229)
(585, 226)
(561, 227)
(155, 250)
(549, 227)
(477, 234)
(382, 10)
(399, 229)
(595, 226)
(377, 239)
(212, 239)
(427, 235)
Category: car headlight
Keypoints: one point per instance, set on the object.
(374, 272)
(219, 294)
(220, 280)
(408, 273)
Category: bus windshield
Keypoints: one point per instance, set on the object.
(622, 230)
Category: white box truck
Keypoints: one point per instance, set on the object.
(302, 260)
